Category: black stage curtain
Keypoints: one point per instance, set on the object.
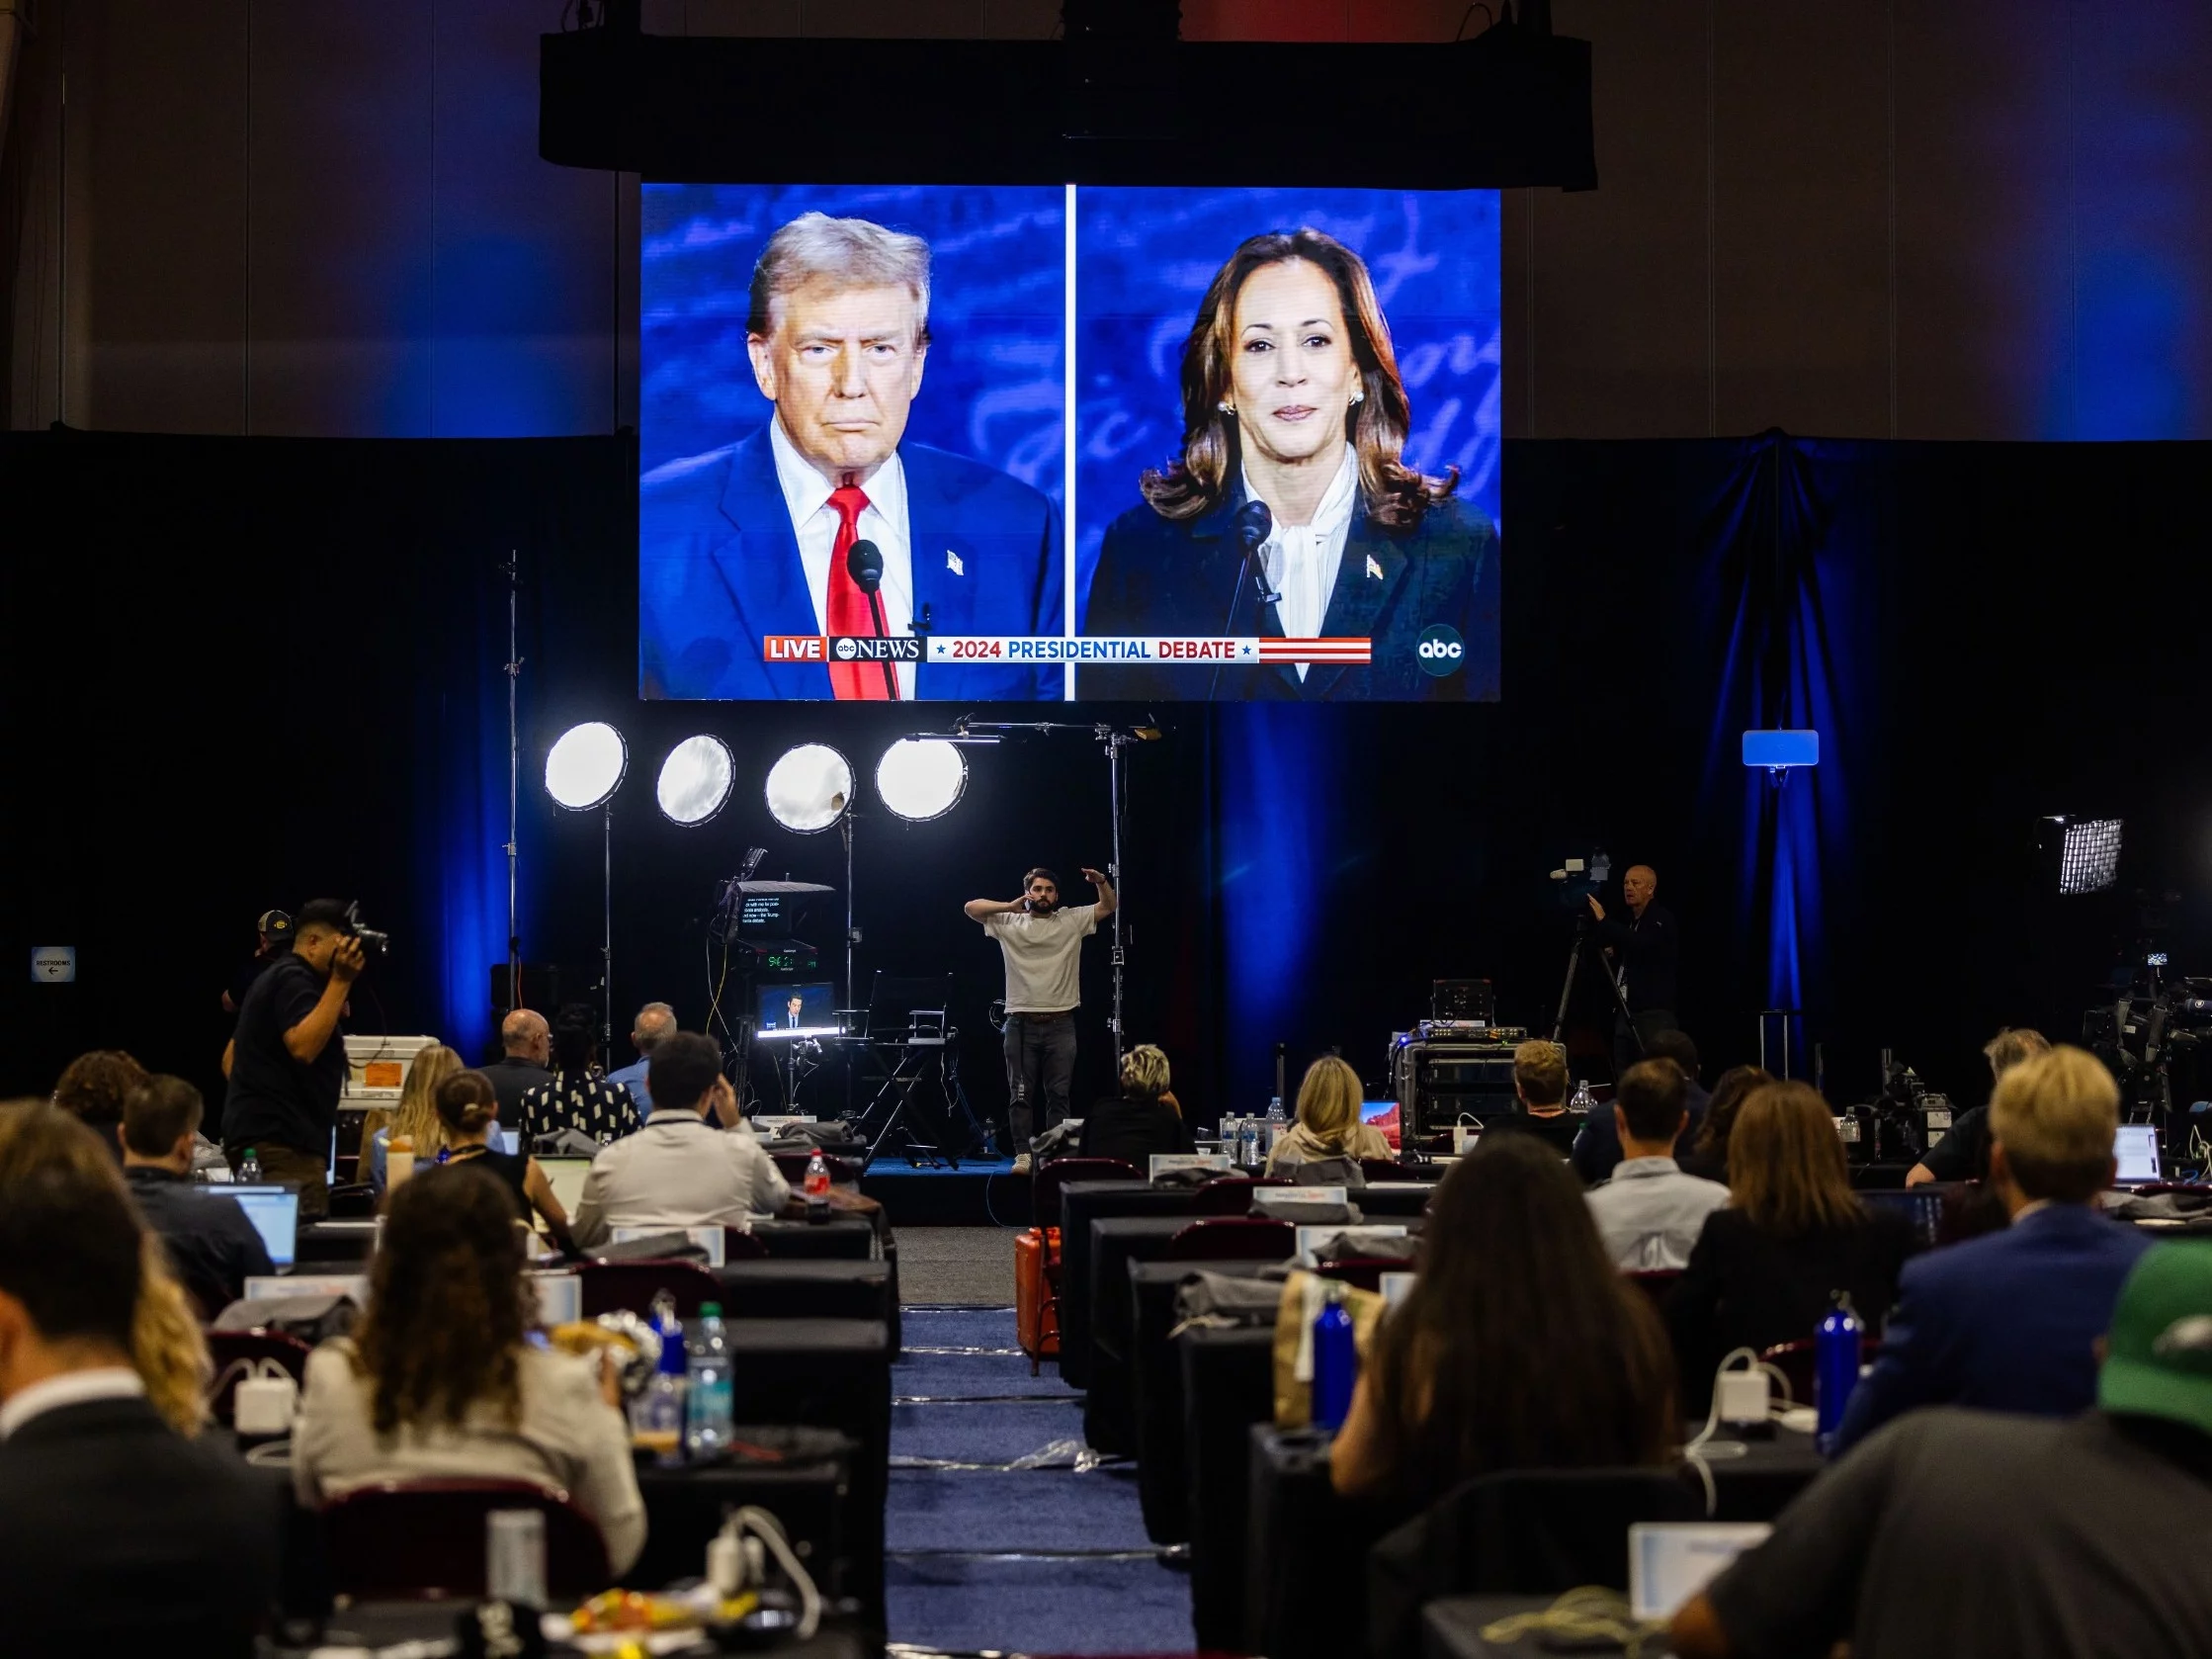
(244, 672)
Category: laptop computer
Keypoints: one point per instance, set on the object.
(2135, 1148)
(275, 1214)
(567, 1177)
(1670, 1561)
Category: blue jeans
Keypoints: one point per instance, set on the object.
(1039, 1066)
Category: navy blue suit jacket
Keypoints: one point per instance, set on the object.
(1184, 577)
(2006, 1322)
(1597, 1148)
(717, 570)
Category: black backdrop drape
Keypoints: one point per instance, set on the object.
(244, 672)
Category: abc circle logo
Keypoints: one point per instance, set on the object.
(1441, 651)
(846, 650)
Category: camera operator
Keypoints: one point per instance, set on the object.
(288, 1062)
(1643, 950)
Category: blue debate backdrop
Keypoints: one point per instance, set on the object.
(993, 384)
(1144, 257)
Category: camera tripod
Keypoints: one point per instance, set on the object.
(1582, 922)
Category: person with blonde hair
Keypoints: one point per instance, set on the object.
(1763, 1269)
(118, 1533)
(416, 1119)
(1328, 1122)
(1963, 1154)
(1148, 1118)
(1540, 1090)
(2010, 1322)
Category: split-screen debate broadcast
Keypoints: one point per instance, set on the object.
(1046, 443)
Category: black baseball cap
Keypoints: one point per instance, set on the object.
(276, 925)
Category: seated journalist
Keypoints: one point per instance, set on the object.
(469, 1109)
(440, 1379)
(1968, 1534)
(92, 1088)
(117, 1534)
(416, 1119)
(211, 1244)
(1147, 1118)
(1963, 1154)
(2010, 1322)
(1329, 1123)
(1793, 1232)
(1598, 1147)
(1540, 1085)
(1650, 1213)
(1518, 1346)
(1704, 1151)
(1295, 421)
(693, 1163)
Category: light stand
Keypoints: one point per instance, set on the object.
(607, 926)
(583, 769)
(512, 569)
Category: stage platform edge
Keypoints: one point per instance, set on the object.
(982, 1192)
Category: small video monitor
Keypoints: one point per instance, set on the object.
(2135, 1148)
(797, 1011)
(275, 1214)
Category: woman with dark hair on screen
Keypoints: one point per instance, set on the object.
(1291, 513)
(1519, 1347)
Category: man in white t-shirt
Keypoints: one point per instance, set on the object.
(1043, 948)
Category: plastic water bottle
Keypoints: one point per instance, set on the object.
(1276, 1128)
(816, 1188)
(656, 1417)
(1249, 1151)
(1336, 1362)
(709, 1394)
(249, 1167)
(1582, 1103)
(1835, 1364)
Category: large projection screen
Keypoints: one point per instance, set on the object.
(1037, 444)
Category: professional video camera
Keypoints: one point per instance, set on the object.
(1903, 1121)
(2141, 1033)
(373, 943)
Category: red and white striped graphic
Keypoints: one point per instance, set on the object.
(1314, 651)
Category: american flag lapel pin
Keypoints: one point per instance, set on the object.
(952, 564)
(1373, 568)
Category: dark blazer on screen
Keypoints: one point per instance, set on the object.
(1744, 1288)
(2008, 1322)
(118, 1535)
(1186, 576)
(719, 570)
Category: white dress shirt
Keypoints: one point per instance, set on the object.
(70, 1388)
(679, 1170)
(883, 521)
(1303, 560)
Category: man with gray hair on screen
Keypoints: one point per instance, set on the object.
(654, 1021)
(828, 521)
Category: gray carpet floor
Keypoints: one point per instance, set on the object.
(955, 1266)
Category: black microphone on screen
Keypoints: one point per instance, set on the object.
(1254, 524)
(865, 565)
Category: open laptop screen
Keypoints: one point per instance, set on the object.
(2135, 1148)
(275, 1214)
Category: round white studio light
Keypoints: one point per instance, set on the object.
(695, 779)
(809, 788)
(921, 778)
(585, 765)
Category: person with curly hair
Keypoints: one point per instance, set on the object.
(440, 1379)
(117, 1532)
(92, 1088)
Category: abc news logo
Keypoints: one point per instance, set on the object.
(1441, 651)
(814, 647)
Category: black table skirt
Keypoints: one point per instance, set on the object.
(806, 1485)
(1156, 1378)
(1228, 1387)
(818, 1288)
(850, 1238)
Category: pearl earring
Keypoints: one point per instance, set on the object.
(1226, 406)
(1357, 395)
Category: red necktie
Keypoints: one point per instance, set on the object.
(850, 612)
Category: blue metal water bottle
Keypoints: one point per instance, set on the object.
(1835, 1364)
(1336, 1362)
